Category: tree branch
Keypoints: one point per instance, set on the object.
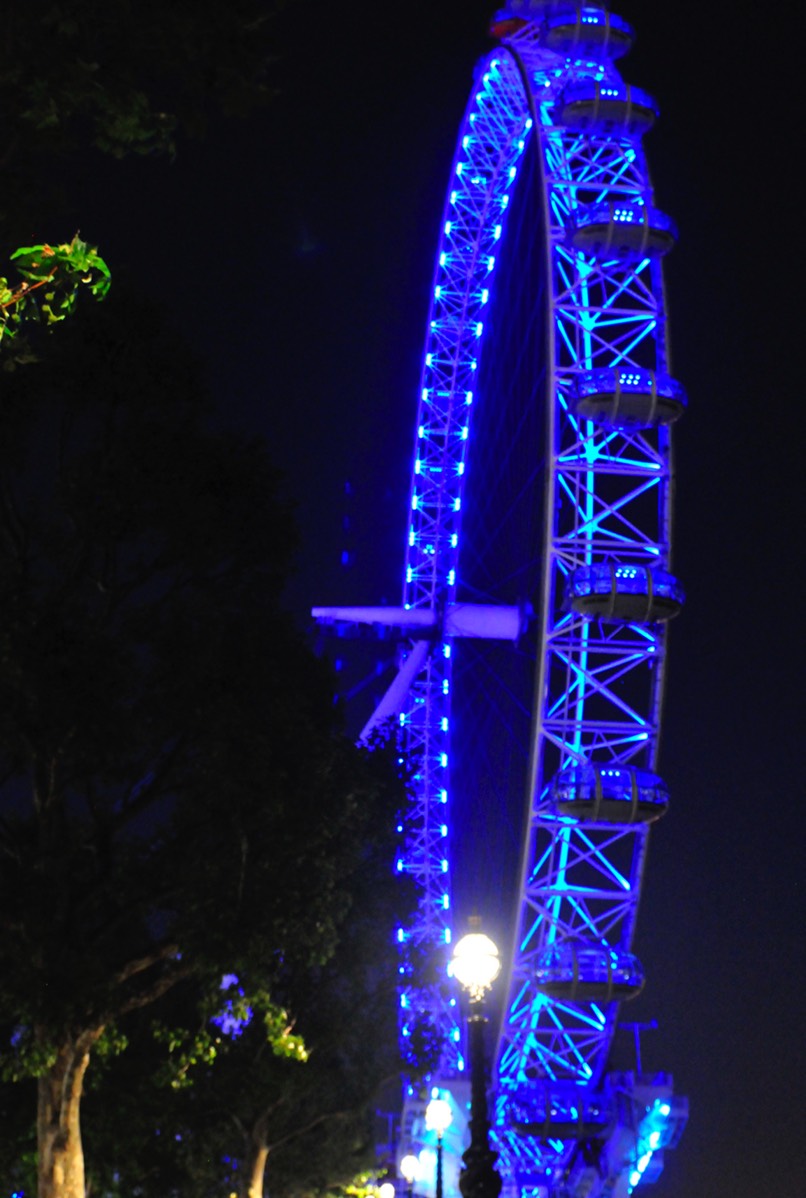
(165, 953)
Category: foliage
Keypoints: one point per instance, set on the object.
(316, 1116)
(52, 277)
(191, 1049)
(112, 69)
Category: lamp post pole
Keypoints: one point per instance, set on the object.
(438, 1117)
(479, 1178)
(439, 1164)
(476, 966)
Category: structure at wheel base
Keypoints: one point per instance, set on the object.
(564, 1126)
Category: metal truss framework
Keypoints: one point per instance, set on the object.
(598, 688)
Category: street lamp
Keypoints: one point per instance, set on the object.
(438, 1118)
(410, 1169)
(476, 965)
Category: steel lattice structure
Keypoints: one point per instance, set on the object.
(606, 589)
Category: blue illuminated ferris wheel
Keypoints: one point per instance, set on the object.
(538, 584)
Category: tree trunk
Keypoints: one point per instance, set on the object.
(61, 1156)
(255, 1169)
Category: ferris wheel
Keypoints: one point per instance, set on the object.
(538, 584)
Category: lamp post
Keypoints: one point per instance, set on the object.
(476, 965)
(438, 1118)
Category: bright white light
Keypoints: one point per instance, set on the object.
(476, 964)
(438, 1116)
(410, 1168)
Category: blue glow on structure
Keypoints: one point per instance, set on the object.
(659, 1128)
(606, 322)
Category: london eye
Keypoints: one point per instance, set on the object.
(538, 586)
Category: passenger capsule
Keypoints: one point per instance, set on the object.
(552, 1111)
(624, 592)
(623, 230)
(606, 107)
(609, 794)
(593, 33)
(586, 971)
(626, 397)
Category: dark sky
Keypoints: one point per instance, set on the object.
(295, 251)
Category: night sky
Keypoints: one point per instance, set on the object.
(295, 252)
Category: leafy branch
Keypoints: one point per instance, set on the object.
(51, 279)
(223, 1021)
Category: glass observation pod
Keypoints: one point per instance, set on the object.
(592, 32)
(618, 229)
(609, 794)
(628, 398)
(561, 1113)
(583, 971)
(630, 593)
(606, 107)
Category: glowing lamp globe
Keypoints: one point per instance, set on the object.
(410, 1168)
(438, 1116)
(476, 964)
(386, 1190)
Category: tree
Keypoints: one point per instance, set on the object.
(122, 78)
(212, 1128)
(177, 802)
